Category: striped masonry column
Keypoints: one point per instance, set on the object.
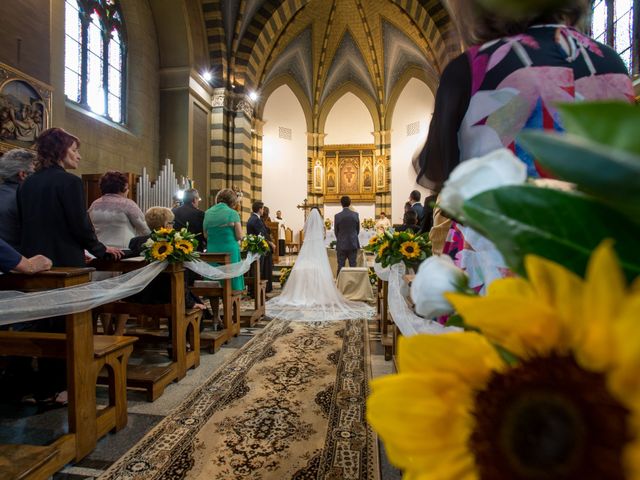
(219, 152)
(382, 139)
(256, 158)
(240, 150)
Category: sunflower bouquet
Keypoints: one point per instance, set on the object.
(394, 247)
(543, 381)
(171, 245)
(328, 223)
(368, 223)
(254, 244)
(284, 275)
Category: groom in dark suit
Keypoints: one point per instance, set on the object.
(347, 227)
(255, 226)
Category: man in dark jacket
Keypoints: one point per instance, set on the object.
(15, 166)
(189, 216)
(416, 206)
(255, 226)
(347, 227)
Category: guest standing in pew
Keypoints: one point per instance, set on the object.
(256, 226)
(15, 166)
(51, 205)
(159, 290)
(12, 260)
(54, 222)
(409, 222)
(189, 216)
(223, 230)
(116, 218)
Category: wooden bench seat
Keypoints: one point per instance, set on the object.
(110, 353)
(152, 378)
(258, 288)
(22, 462)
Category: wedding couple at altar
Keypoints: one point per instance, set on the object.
(310, 294)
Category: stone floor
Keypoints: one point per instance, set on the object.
(25, 424)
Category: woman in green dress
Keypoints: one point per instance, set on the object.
(223, 230)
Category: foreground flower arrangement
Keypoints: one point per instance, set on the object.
(394, 247)
(550, 389)
(171, 245)
(254, 244)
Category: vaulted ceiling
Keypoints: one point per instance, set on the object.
(322, 48)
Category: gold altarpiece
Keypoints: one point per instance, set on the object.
(353, 170)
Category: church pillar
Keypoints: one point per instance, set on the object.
(382, 140)
(231, 146)
(315, 142)
(257, 133)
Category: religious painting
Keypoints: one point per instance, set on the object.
(317, 176)
(349, 175)
(351, 170)
(25, 109)
(380, 175)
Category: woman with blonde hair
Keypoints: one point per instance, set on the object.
(223, 229)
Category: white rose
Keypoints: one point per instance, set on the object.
(177, 236)
(472, 177)
(148, 243)
(436, 276)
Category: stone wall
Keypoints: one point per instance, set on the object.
(104, 145)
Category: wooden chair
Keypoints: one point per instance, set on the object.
(288, 241)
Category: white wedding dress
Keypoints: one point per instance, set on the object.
(310, 294)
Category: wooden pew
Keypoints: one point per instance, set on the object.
(230, 303)
(258, 286)
(84, 354)
(184, 325)
(384, 319)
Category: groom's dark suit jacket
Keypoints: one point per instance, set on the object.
(347, 227)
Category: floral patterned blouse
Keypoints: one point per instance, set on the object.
(492, 92)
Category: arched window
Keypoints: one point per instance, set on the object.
(95, 53)
(614, 22)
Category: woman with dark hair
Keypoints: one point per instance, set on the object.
(51, 205)
(55, 223)
(409, 222)
(116, 218)
(510, 79)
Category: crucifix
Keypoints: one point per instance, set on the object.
(306, 207)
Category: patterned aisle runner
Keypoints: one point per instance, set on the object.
(288, 405)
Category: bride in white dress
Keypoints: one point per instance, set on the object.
(310, 294)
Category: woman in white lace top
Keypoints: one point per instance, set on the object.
(116, 218)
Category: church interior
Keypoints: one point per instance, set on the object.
(291, 106)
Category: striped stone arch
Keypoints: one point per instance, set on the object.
(270, 28)
(212, 13)
(433, 20)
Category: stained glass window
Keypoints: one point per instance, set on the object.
(95, 53)
(612, 22)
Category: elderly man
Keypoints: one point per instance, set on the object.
(189, 216)
(15, 166)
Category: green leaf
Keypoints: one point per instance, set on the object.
(611, 175)
(564, 227)
(614, 124)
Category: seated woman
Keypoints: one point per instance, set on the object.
(409, 222)
(223, 230)
(116, 218)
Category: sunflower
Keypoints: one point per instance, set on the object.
(185, 246)
(265, 244)
(164, 231)
(161, 250)
(373, 240)
(382, 248)
(566, 407)
(410, 249)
